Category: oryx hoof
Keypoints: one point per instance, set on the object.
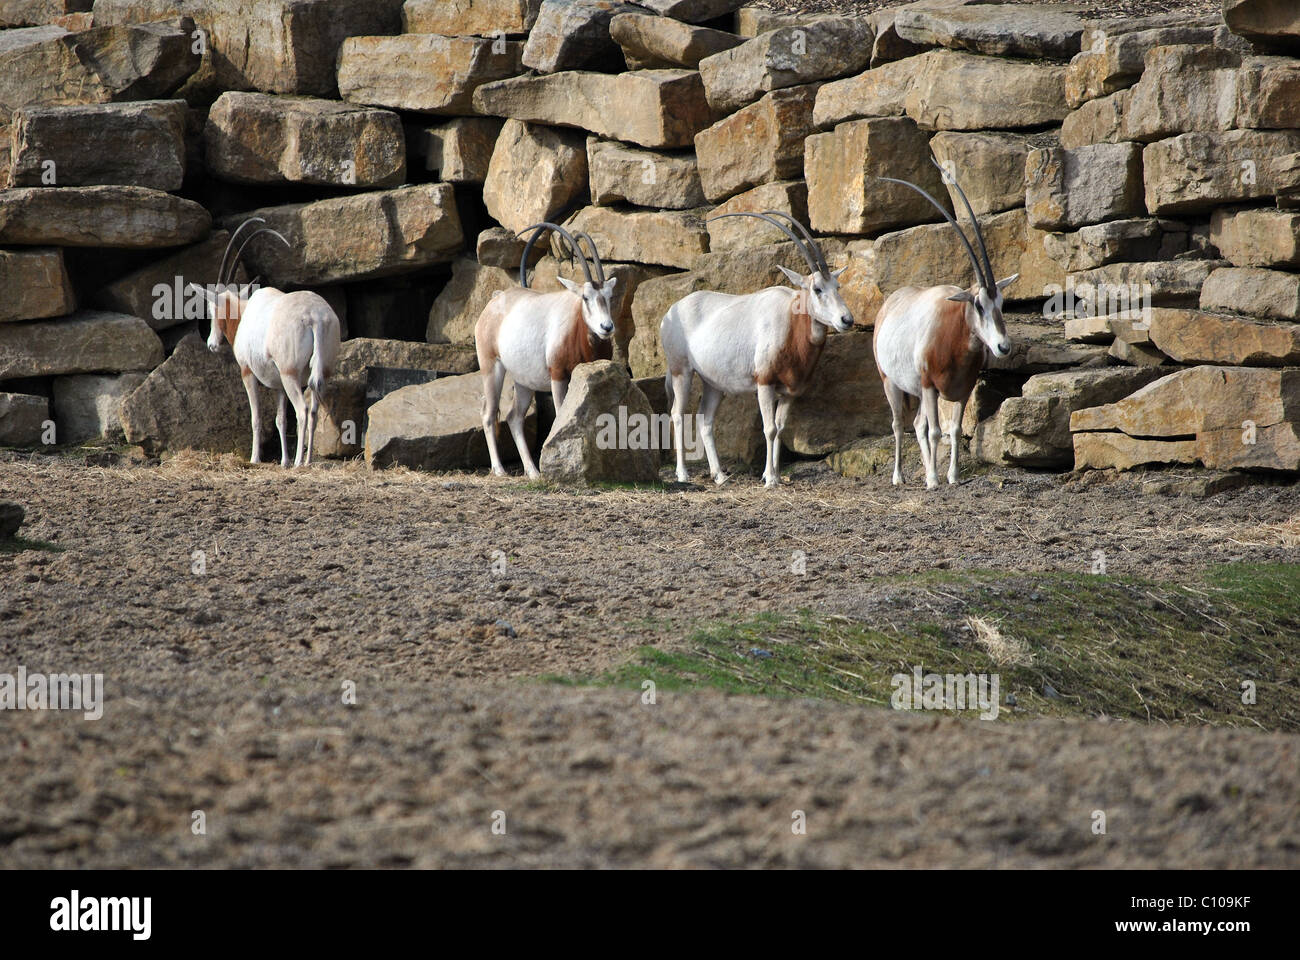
(720, 479)
(683, 476)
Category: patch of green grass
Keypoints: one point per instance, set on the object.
(1063, 645)
(19, 544)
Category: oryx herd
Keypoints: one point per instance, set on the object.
(929, 343)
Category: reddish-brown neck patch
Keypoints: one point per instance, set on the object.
(793, 366)
(579, 345)
(229, 310)
(954, 356)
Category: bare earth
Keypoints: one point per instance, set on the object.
(224, 689)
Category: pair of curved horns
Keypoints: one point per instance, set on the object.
(983, 270)
(575, 248)
(812, 252)
(229, 265)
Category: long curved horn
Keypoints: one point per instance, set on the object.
(810, 242)
(222, 279)
(979, 271)
(234, 264)
(990, 282)
(595, 255)
(812, 263)
(539, 229)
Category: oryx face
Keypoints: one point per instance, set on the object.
(984, 314)
(224, 307)
(822, 296)
(597, 305)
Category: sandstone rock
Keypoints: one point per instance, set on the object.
(787, 57)
(361, 353)
(1261, 293)
(22, 424)
(1269, 94)
(127, 217)
(89, 341)
(459, 150)
(989, 166)
(668, 238)
(1195, 336)
(1136, 354)
(1195, 172)
(620, 174)
(89, 407)
(858, 284)
(1272, 21)
(1184, 88)
(650, 42)
(134, 144)
(585, 445)
(787, 196)
(660, 109)
(438, 426)
(158, 292)
(1094, 246)
(1114, 51)
(1117, 451)
(1133, 286)
(1067, 189)
(1037, 346)
(692, 11)
(571, 34)
(753, 20)
(843, 167)
(458, 307)
(456, 18)
(424, 72)
(879, 92)
(1050, 31)
(1097, 121)
(964, 91)
(535, 173)
(35, 13)
(340, 421)
(276, 46)
(360, 237)
(1257, 237)
(36, 285)
(257, 138)
(48, 66)
(759, 144)
(498, 247)
(844, 401)
(1089, 329)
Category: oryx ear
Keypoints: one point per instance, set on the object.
(608, 288)
(793, 277)
(840, 272)
(1003, 284)
(208, 296)
(570, 286)
(964, 297)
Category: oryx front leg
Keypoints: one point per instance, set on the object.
(282, 427)
(782, 415)
(515, 420)
(767, 406)
(559, 390)
(929, 413)
(954, 437)
(681, 390)
(493, 379)
(250, 387)
(710, 398)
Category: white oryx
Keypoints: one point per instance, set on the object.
(930, 343)
(285, 341)
(769, 341)
(539, 338)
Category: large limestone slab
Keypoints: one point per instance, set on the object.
(360, 353)
(259, 138)
(1118, 451)
(456, 18)
(35, 284)
(989, 166)
(667, 238)
(1196, 172)
(571, 34)
(964, 91)
(660, 109)
(1114, 51)
(586, 445)
(1269, 21)
(620, 174)
(367, 236)
(1125, 286)
(158, 291)
(89, 406)
(459, 305)
(879, 92)
(1257, 237)
(844, 167)
(127, 217)
(35, 13)
(23, 419)
(89, 341)
(1068, 189)
(1267, 93)
(650, 42)
(135, 144)
(786, 57)
(1197, 336)
(692, 11)
(1097, 121)
(438, 426)
(1139, 239)
(424, 72)
(1261, 293)
(1047, 31)
(536, 171)
(785, 196)
(458, 150)
(759, 144)
(1184, 88)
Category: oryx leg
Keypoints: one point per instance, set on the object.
(282, 426)
(897, 406)
(954, 437)
(782, 415)
(710, 398)
(493, 380)
(930, 413)
(294, 390)
(250, 387)
(515, 420)
(767, 406)
(559, 390)
(681, 390)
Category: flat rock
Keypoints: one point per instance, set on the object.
(879, 92)
(536, 172)
(36, 285)
(1068, 189)
(1270, 21)
(572, 34)
(1046, 31)
(1195, 172)
(650, 42)
(89, 341)
(1261, 293)
(620, 174)
(424, 72)
(22, 424)
(456, 18)
(1257, 236)
(1198, 336)
(758, 144)
(989, 166)
(965, 91)
(110, 216)
(667, 238)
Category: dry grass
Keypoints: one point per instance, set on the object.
(1005, 651)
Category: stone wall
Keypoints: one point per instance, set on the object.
(1142, 177)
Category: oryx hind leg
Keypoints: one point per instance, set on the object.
(515, 420)
(929, 413)
(494, 378)
(898, 408)
(681, 391)
(710, 399)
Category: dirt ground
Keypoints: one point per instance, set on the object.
(443, 598)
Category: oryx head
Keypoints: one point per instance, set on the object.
(820, 290)
(984, 298)
(596, 294)
(226, 300)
